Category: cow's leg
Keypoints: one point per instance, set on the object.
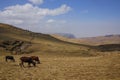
(29, 64)
(34, 64)
(20, 64)
(6, 59)
(38, 61)
(13, 60)
(23, 64)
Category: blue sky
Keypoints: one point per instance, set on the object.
(83, 18)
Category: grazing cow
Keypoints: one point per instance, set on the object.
(27, 60)
(36, 59)
(10, 58)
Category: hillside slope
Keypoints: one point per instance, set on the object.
(40, 42)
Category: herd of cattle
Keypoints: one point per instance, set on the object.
(30, 60)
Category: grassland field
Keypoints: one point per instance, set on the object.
(56, 67)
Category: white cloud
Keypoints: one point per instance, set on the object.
(36, 2)
(50, 21)
(55, 21)
(61, 10)
(29, 14)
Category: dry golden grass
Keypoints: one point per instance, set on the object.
(104, 67)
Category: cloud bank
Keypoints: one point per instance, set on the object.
(30, 14)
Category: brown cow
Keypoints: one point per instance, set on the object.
(28, 60)
(36, 59)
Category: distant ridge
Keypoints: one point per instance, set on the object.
(67, 35)
(112, 35)
(98, 40)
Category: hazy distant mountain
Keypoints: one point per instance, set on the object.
(67, 35)
(107, 39)
(98, 40)
(112, 35)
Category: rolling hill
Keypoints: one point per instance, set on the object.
(13, 39)
(16, 40)
(100, 43)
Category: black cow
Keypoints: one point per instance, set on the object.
(10, 58)
(28, 60)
